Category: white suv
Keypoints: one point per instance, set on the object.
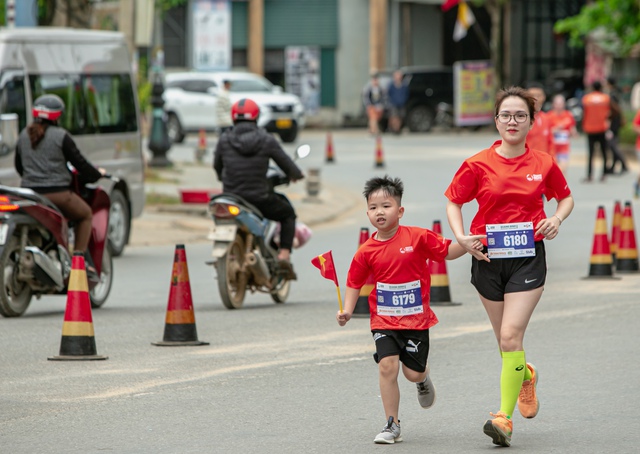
(190, 99)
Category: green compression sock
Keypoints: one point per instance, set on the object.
(513, 367)
(527, 373)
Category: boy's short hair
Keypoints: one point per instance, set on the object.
(391, 186)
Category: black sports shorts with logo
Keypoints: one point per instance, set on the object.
(499, 276)
(412, 346)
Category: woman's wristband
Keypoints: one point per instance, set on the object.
(559, 218)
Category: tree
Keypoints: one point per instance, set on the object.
(617, 21)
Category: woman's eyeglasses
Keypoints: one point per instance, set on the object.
(519, 117)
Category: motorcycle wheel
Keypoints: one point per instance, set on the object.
(232, 282)
(100, 292)
(15, 296)
(281, 293)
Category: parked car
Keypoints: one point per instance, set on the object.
(428, 86)
(190, 100)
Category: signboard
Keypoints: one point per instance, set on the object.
(211, 35)
(302, 75)
(473, 92)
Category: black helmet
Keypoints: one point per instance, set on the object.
(48, 107)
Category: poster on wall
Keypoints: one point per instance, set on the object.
(302, 75)
(211, 35)
(473, 92)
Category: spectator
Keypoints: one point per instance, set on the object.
(398, 93)
(223, 108)
(616, 122)
(374, 98)
(595, 123)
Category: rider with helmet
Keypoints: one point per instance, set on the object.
(42, 153)
(241, 161)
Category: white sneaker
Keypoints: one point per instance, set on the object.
(390, 433)
(426, 392)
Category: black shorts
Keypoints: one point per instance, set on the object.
(493, 279)
(412, 346)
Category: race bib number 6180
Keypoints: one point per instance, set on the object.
(510, 240)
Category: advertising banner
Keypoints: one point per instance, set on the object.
(473, 92)
(302, 75)
(211, 35)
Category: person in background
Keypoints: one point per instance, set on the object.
(595, 123)
(539, 137)
(398, 94)
(616, 122)
(223, 108)
(374, 99)
(563, 127)
(636, 129)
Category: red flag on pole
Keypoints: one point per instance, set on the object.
(448, 4)
(326, 266)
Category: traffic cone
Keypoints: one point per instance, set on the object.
(329, 149)
(615, 230)
(440, 294)
(362, 305)
(601, 263)
(201, 149)
(78, 341)
(379, 156)
(180, 323)
(627, 256)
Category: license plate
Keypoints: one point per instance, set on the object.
(4, 229)
(223, 233)
(283, 123)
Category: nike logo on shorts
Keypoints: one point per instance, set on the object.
(528, 281)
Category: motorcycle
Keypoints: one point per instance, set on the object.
(36, 247)
(245, 250)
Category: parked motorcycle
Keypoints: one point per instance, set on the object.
(36, 247)
(245, 252)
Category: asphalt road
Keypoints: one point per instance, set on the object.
(286, 379)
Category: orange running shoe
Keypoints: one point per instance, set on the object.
(499, 429)
(528, 403)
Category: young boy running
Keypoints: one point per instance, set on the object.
(396, 257)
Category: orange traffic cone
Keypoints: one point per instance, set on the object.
(180, 325)
(601, 263)
(615, 230)
(440, 294)
(627, 256)
(78, 341)
(362, 305)
(379, 156)
(329, 150)
(201, 149)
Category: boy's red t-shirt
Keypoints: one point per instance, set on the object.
(399, 260)
(564, 122)
(507, 190)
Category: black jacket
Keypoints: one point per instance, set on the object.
(242, 158)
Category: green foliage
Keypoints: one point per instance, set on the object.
(144, 95)
(166, 5)
(617, 20)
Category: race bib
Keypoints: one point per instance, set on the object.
(561, 137)
(397, 300)
(506, 241)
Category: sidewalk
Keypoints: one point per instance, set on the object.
(175, 223)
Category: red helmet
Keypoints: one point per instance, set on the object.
(245, 109)
(49, 107)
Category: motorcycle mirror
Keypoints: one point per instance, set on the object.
(303, 151)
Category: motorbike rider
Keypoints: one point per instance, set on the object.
(42, 153)
(241, 161)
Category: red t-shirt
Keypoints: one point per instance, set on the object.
(597, 108)
(539, 136)
(507, 190)
(560, 137)
(636, 121)
(392, 263)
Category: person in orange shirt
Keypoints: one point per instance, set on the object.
(595, 123)
(539, 137)
(563, 127)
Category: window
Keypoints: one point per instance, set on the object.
(94, 103)
(12, 96)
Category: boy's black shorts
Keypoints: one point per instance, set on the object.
(499, 276)
(412, 346)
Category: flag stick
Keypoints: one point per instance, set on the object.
(339, 298)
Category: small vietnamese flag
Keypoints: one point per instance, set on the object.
(326, 266)
(324, 263)
(448, 4)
